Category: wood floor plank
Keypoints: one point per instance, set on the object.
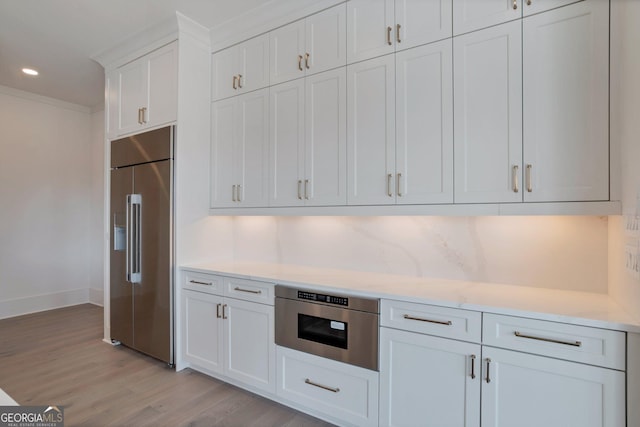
(58, 357)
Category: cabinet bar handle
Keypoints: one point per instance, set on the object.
(144, 114)
(218, 311)
(389, 179)
(529, 186)
(299, 189)
(306, 189)
(139, 116)
(233, 193)
(300, 62)
(235, 82)
(516, 186)
(488, 378)
(224, 312)
(238, 193)
(389, 29)
(306, 60)
(399, 191)
(532, 337)
(420, 319)
(251, 291)
(201, 283)
(515, 4)
(398, 33)
(528, 2)
(473, 366)
(239, 81)
(324, 387)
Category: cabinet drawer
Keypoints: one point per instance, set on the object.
(249, 290)
(594, 346)
(428, 319)
(202, 282)
(343, 392)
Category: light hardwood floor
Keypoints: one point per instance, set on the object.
(58, 358)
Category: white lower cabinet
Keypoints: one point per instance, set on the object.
(343, 393)
(525, 390)
(428, 381)
(228, 336)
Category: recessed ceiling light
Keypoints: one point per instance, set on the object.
(30, 71)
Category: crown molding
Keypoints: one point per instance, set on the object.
(5, 90)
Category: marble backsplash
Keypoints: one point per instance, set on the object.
(564, 252)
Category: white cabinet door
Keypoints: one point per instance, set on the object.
(326, 40)
(239, 147)
(286, 147)
(488, 115)
(132, 91)
(253, 64)
(202, 334)
(223, 163)
(240, 68)
(224, 71)
(537, 6)
(550, 392)
(418, 22)
(252, 148)
(325, 165)
(428, 381)
(287, 52)
(566, 88)
(250, 348)
(370, 25)
(471, 15)
(162, 93)
(371, 131)
(424, 124)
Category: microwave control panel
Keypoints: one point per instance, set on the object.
(327, 299)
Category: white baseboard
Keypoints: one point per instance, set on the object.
(33, 304)
(96, 296)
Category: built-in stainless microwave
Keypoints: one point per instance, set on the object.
(338, 327)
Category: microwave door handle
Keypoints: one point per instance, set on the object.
(136, 237)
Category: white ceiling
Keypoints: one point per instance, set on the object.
(59, 37)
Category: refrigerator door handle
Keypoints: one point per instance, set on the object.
(136, 238)
(127, 248)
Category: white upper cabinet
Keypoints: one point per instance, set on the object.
(239, 150)
(148, 91)
(308, 141)
(488, 115)
(378, 27)
(309, 46)
(566, 127)
(424, 124)
(371, 116)
(471, 15)
(241, 68)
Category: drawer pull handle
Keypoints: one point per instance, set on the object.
(419, 319)
(251, 291)
(389, 29)
(201, 283)
(324, 387)
(300, 62)
(218, 310)
(531, 337)
(473, 366)
(224, 311)
(488, 378)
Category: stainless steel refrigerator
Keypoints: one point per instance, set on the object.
(141, 300)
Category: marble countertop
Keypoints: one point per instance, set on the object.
(579, 308)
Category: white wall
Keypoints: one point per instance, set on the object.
(96, 212)
(625, 132)
(45, 189)
(555, 252)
